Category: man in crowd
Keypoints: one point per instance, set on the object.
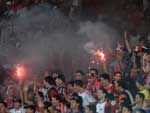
(91, 109)
(3, 107)
(123, 92)
(75, 9)
(76, 105)
(140, 84)
(117, 76)
(50, 86)
(103, 106)
(126, 109)
(31, 108)
(61, 86)
(93, 84)
(86, 96)
(139, 100)
(79, 75)
(94, 71)
(58, 104)
(106, 83)
(18, 108)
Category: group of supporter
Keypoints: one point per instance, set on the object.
(70, 8)
(136, 9)
(122, 87)
(14, 5)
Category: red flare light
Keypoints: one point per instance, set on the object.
(20, 71)
(100, 55)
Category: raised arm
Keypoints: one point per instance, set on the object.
(127, 42)
(146, 64)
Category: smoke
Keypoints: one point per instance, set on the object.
(90, 47)
(100, 35)
(43, 38)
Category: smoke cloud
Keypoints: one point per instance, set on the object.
(99, 34)
(43, 38)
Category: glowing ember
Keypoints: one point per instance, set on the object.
(100, 55)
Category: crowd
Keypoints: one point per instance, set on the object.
(8, 6)
(141, 8)
(14, 5)
(122, 87)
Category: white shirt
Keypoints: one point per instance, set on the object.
(87, 98)
(100, 107)
(21, 110)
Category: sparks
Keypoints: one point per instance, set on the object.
(100, 55)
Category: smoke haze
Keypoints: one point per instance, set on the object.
(44, 38)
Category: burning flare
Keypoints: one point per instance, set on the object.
(20, 71)
(100, 54)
